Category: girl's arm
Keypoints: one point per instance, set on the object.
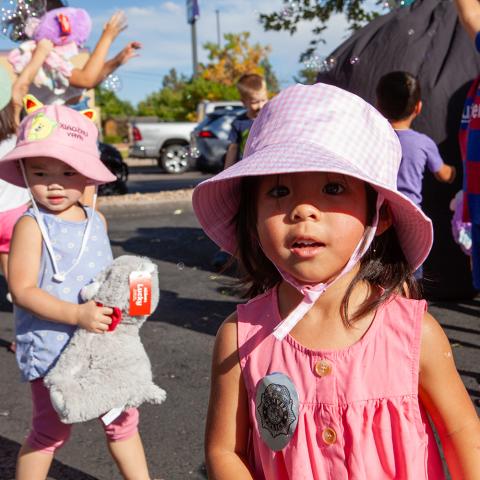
(90, 75)
(227, 420)
(24, 266)
(469, 14)
(24, 80)
(444, 396)
(127, 53)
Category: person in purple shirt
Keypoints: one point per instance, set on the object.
(399, 100)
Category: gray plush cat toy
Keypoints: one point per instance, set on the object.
(101, 373)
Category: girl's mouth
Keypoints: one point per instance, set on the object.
(55, 200)
(306, 248)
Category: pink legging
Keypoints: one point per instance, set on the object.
(49, 433)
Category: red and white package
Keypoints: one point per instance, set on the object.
(140, 293)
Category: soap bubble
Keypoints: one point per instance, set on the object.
(354, 60)
(180, 266)
(290, 9)
(14, 16)
(328, 64)
(312, 63)
(411, 32)
(112, 83)
(194, 152)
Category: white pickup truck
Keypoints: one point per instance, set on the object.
(168, 142)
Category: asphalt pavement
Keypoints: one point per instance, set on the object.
(179, 339)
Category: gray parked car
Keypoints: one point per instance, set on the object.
(209, 140)
(168, 142)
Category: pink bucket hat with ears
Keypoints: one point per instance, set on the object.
(59, 132)
(317, 128)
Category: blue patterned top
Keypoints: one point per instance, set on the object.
(40, 342)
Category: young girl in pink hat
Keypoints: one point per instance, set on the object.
(58, 246)
(334, 368)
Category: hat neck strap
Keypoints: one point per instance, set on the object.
(311, 293)
(58, 275)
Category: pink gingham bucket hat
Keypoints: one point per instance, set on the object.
(317, 128)
(57, 131)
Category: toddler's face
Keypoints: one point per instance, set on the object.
(53, 183)
(254, 102)
(310, 223)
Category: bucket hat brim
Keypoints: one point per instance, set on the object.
(216, 200)
(90, 166)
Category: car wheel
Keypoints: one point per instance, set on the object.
(174, 158)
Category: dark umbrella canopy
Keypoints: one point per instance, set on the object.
(427, 40)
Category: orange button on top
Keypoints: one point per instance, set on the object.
(329, 436)
(323, 368)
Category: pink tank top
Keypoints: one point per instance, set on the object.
(333, 415)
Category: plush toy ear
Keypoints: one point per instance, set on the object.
(31, 103)
(89, 291)
(90, 114)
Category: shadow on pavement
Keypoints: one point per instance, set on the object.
(204, 316)
(179, 245)
(58, 471)
(468, 307)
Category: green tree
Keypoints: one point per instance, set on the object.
(111, 105)
(357, 12)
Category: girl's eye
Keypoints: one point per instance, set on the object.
(333, 188)
(69, 174)
(279, 191)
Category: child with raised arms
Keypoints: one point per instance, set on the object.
(57, 247)
(334, 368)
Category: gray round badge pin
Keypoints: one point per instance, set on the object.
(277, 410)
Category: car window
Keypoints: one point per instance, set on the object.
(221, 126)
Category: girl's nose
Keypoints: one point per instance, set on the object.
(304, 211)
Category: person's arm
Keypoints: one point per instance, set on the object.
(447, 402)
(24, 266)
(227, 420)
(89, 75)
(446, 174)
(24, 80)
(469, 15)
(231, 156)
(127, 53)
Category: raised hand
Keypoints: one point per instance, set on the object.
(116, 24)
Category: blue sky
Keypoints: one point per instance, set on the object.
(162, 28)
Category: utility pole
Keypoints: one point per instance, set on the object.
(194, 49)
(217, 11)
(193, 12)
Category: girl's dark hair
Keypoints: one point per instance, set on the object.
(397, 95)
(383, 266)
(7, 121)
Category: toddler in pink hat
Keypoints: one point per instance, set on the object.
(58, 247)
(334, 367)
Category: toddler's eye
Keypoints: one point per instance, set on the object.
(38, 174)
(69, 174)
(279, 191)
(333, 188)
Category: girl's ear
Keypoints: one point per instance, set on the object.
(385, 219)
(31, 104)
(90, 114)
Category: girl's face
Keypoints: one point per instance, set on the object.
(310, 223)
(53, 183)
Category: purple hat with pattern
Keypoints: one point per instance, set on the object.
(317, 128)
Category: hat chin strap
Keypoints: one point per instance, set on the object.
(58, 276)
(311, 293)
